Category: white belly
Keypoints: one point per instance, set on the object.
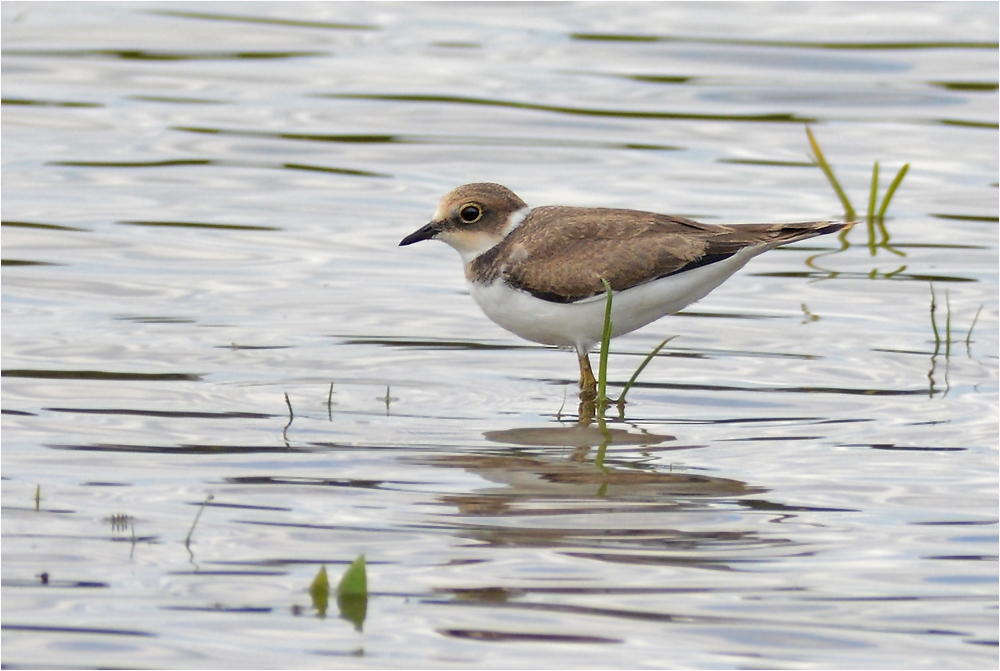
(581, 324)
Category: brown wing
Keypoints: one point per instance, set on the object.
(571, 249)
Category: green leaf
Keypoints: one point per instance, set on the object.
(319, 590)
(352, 593)
(355, 580)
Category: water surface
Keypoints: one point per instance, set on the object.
(201, 207)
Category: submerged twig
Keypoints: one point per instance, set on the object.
(291, 418)
(937, 336)
(968, 337)
(561, 406)
(947, 325)
(187, 541)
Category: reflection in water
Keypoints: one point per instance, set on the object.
(573, 111)
(523, 637)
(784, 44)
(151, 55)
(200, 162)
(621, 510)
(643, 502)
(353, 608)
(263, 20)
(444, 139)
(527, 477)
(576, 435)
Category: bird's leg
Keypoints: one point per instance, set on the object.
(588, 383)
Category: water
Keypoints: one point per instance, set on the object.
(201, 208)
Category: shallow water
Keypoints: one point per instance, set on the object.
(201, 207)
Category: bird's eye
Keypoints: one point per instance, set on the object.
(470, 213)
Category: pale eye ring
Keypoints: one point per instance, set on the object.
(470, 213)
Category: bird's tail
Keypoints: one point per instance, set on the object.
(769, 236)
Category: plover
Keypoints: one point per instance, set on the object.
(537, 271)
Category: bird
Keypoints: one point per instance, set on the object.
(539, 272)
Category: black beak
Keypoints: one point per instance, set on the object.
(425, 233)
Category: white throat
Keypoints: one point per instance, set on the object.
(469, 245)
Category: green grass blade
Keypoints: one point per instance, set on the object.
(892, 191)
(602, 370)
(849, 212)
(880, 216)
(635, 375)
(870, 220)
(873, 194)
